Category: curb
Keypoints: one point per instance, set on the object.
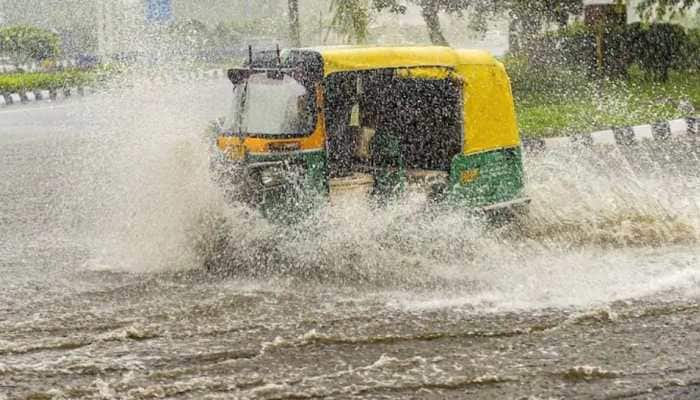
(39, 95)
(36, 96)
(621, 136)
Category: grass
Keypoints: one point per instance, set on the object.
(21, 82)
(582, 106)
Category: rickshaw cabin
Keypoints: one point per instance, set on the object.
(487, 111)
(451, 109)
(409, 109)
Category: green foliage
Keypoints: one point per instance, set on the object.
(545, 82)
(664, 8)
(557, 11)
(693, 48)
(656, 48)
(13, 83)
(392, 5)
(583, 106)
(25, 43)
(528, 17)
(351, 19)
(572, 47)
(660, 47)
(575, 48)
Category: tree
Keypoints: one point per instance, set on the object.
(351, 19)
(294, 26)
(529, 17)
(659, 47)
(662, 8)
(27, 43)
(430, 10)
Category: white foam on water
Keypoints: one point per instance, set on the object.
(576, 279)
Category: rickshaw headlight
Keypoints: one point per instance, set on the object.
(271, 177)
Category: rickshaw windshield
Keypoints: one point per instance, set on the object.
(264, 105)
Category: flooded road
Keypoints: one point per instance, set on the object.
(106, 210)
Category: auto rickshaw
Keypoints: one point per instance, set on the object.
(310, 124)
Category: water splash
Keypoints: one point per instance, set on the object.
(599, 225)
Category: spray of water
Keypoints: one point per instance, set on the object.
(601, 222)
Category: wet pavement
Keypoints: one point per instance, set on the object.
(106, 207)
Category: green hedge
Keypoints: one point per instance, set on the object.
(24, 43)
(546, 83)
(21, 82)
(656, 48)
(661, 47)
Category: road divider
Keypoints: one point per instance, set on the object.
(620, 136)
(42, 95)
(32, 96)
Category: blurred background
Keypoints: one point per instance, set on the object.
(576, 65)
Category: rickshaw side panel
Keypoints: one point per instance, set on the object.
(486, 178)
(490, 169)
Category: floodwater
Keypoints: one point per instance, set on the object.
(106, 213)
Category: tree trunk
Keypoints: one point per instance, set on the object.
(294, 28)
(513, 37)
(432, 21)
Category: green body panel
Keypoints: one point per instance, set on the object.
(493, 177)
(496, 176)
(300, 194)
(314, 162)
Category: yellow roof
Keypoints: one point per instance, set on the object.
(350, 58)
(489, 115)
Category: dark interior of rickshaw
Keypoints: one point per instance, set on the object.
(423, 116)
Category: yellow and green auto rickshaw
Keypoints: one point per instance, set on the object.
(307, 124)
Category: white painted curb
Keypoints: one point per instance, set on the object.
(623, 136)
(43, 95)
(61, 94)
